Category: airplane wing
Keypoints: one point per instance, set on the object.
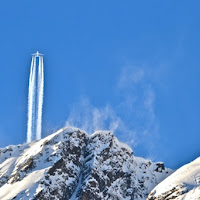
(37, 54)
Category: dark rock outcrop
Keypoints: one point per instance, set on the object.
(70, 164)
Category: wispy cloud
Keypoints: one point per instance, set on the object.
(136, 87)
(90, 118)
(131, 75)
(133, 119)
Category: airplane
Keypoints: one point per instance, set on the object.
(37, 54)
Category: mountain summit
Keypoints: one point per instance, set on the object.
(72, 165)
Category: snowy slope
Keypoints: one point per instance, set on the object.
(182, 184)
(70, 164)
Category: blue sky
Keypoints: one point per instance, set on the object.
(132, 67)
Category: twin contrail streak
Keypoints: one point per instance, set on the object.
(35, 98)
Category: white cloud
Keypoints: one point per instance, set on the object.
(90, 118)
(133, 119)
(136, 87)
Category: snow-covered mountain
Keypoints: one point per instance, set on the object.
(70, 165)
(182, 184)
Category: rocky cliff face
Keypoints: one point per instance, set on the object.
(70, 164)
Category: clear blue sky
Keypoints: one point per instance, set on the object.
(129, 66)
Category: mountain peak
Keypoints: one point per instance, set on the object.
(70, 164)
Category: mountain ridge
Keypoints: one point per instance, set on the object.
(70, 164)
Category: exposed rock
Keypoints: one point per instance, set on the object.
(70, 164)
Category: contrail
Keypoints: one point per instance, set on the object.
(40, 98)
(35, 99)
(31, 101)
